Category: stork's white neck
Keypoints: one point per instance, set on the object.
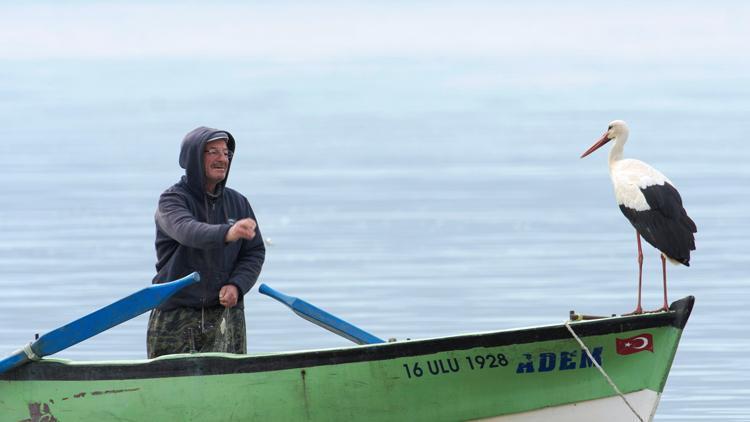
(615, 154)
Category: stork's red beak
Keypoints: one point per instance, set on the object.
(603, 140)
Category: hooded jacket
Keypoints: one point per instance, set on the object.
(191, 226)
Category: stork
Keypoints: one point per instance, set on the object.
(651, 203)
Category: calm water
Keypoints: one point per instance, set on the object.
(415, 198)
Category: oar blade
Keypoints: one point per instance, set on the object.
(321, 318)
(333, 324)
(99, 321)
(105, 318)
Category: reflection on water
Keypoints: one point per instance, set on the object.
(455, 210)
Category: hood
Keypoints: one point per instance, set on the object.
(191, 158)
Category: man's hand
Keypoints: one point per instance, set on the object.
(228, 295)
(243, 229)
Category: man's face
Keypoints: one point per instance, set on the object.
(216, 161)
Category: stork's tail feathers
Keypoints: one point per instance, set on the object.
(683, 261)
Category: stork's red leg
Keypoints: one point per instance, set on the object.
(665, 307)
(638, 308)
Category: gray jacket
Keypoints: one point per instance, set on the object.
(190, 230)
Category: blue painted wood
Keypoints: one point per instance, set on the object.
(99, 321)
(16, 359)
(321, 318)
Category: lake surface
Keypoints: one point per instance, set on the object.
(415, 198)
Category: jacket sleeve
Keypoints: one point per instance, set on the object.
(176, 219)
(250, 260)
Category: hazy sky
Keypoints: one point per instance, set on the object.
(333, 30)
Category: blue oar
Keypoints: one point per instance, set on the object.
(97, 322)
(322, 318)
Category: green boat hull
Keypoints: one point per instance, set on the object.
(512, 373)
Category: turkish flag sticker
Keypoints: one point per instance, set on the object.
(639, 343)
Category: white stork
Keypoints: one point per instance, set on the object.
(651, 203)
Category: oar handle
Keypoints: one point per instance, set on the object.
(19, 357)
(321, 318)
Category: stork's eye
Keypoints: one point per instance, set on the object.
(610, 127)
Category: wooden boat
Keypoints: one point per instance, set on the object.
(532, 374)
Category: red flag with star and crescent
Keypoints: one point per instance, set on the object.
(635, 344)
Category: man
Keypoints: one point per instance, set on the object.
(203, 226)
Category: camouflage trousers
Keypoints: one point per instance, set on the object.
(189, 330)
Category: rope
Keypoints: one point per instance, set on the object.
(30, 352)
(609, 380)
